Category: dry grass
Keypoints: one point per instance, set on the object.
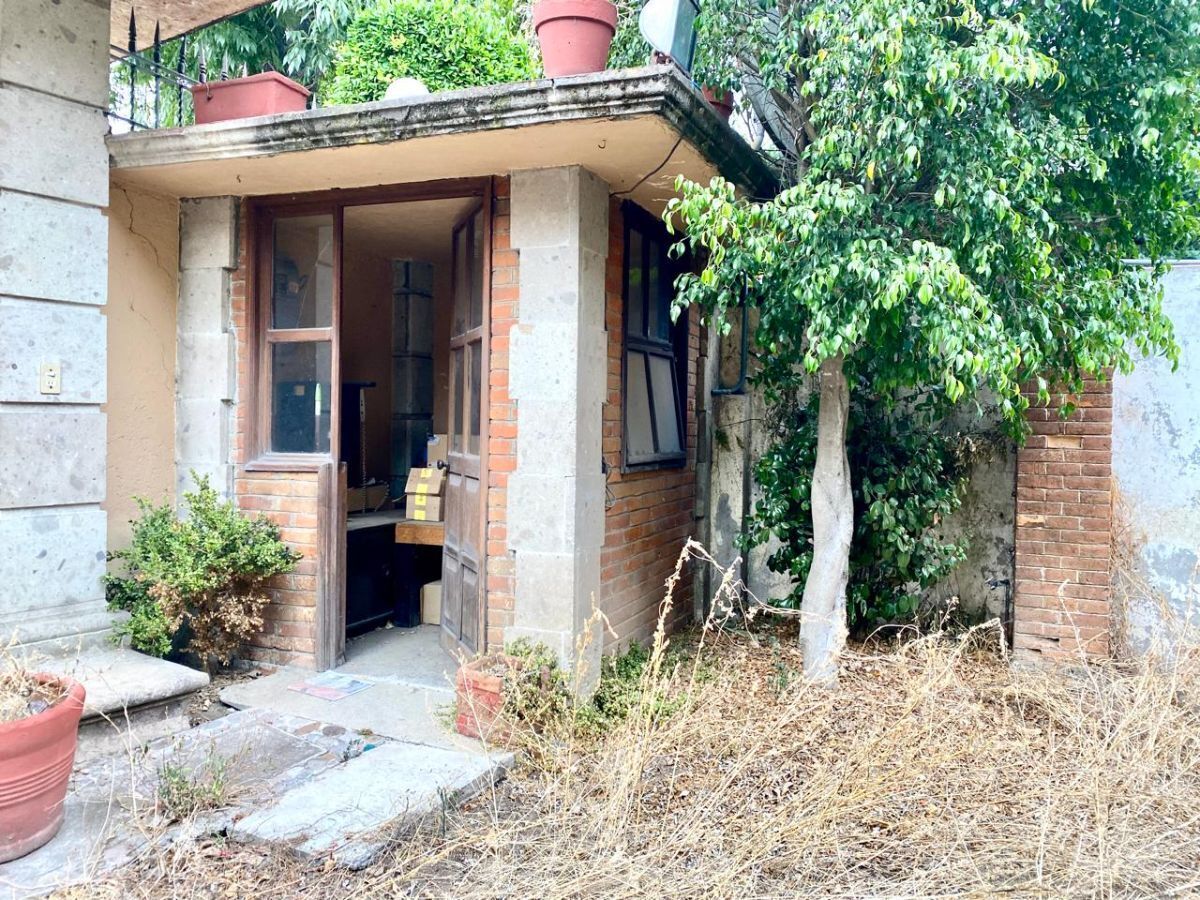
(934, 768)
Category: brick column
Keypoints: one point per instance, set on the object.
(1064, 529)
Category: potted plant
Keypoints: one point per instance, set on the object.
(266, 94)
(575, 35)
(720, 99)
(39, 729)
(479, 692)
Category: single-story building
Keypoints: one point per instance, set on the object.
(291, 305)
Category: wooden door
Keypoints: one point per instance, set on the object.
(463, 622)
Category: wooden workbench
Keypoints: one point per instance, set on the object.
(408, 531)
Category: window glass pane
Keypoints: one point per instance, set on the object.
(473, 397)
(458, 374)
(659, 307)
(666, 404)
(639, 438)
(302, 292)
(476, 318)
(635, 296)
(462, 281)
(300, 409)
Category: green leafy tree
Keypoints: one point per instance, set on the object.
(445, 44)
(907, 474)
(963, 182)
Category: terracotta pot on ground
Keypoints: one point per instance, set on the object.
(719, 100)
(574, 35)
(36, 756)
(479, 691)
(241, 98)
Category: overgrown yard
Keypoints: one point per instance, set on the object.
(934, 768)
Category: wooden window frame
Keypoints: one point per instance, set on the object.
(263, 212)
(675, 348)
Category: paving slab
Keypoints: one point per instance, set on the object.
(109, 813)
(412, 656)
(397, 711)
(349, 813)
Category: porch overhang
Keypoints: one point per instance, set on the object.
(172, 17)
(637, 129)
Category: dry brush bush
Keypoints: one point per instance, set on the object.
(934, 767)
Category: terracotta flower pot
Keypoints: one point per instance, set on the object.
(479, 690)
(241, 98)
(574, 35)
(721, 101)
(36, 756)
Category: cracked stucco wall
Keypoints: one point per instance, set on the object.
(1156, 466)
(143, 284)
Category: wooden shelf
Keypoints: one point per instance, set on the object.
(426, 534)
(408, 531)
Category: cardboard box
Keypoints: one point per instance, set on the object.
(436, 450)
(431, 482)
(423, 508)
(431, 603)
(369, 497)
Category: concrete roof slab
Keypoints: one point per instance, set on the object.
(636, 128)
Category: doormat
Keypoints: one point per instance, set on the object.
(329, 686)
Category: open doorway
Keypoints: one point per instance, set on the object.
(374, 353)
(412, 379)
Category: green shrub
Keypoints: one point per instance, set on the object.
(446, 45)
(907, 477)
(538, 694)
(200, 578)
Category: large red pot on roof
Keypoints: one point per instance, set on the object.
(575, 35)
(266, 94)
(36, 756)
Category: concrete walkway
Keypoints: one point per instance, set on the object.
(329, 778)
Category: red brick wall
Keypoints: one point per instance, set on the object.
(1064, 529)
(502, 421)
(650, 514)
(289, 499)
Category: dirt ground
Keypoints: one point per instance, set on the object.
(934, 768)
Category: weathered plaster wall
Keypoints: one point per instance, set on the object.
(143, 289)
(53, 288)
(981, 586)
(1156, 467)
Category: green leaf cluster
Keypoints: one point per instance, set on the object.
(446, 45)
(907, 477)
(200, 576)
(963, 186)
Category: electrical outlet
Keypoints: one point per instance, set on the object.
(50, 378)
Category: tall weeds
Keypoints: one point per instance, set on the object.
(934, 768)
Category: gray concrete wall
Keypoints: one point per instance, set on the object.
(558, 375)
(1156, 467)
(53, 289)
(205, 369)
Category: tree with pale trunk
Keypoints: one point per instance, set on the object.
(963, 186)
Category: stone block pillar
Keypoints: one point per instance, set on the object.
(205, 370)
(53, 288)
(558, 376)
(1064, 530)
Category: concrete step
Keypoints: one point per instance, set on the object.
(351, 812)
(131, 698)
